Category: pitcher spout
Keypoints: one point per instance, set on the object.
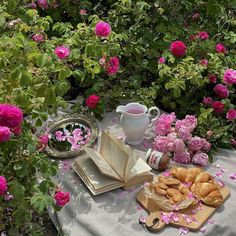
(120, 109)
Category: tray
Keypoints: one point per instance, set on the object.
(153, 222)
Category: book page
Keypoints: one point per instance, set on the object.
(102, 165)
(95, 178)
(140, 167)
(115, 153)
(139, 180)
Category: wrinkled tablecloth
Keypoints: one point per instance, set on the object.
(116, 213)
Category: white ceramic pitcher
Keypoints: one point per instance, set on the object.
(135, 121)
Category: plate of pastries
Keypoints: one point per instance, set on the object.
(186, 183)
(183, 191)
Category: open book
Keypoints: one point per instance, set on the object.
(115, 165)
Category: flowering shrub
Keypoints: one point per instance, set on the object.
(219, 111)
(175, 139)
(21, 195)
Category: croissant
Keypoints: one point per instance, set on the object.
(185, 175)
(208, 193)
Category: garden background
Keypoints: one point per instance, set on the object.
(177, 55)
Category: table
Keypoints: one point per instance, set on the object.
(116, 212)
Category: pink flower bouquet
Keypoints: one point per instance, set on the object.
(175, 138)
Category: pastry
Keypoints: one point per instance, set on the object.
(162, 186)
(203, 177)
(160, 191)
(185, 190)
(185, 175)
(208, 193)
(175, 194)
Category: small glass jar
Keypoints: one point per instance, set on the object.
(157, 160)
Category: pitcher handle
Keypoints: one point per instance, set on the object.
(154, 109)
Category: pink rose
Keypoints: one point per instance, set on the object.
(195, 16)
(190, 122)
(209, 133)
(178, 48)
(16, 131)
(92, 101)
(82, 12)
(206, 146)
(5, 134)
(200, 159)
(233, 142)
(113, 66)
(221, 91)
(172, 136)
(220, 48)
(218, 106)
(203, 35)
(195, 144)
(32, 5)
(231, 114)
(102, 29)
(3, 185)
(38, 38)
(43, 142)
(62, 198)
(182, 157)
(163, 123)
(184, 134)
(212, 78)
(60, 136)
(203, 62)
(10, 116)
(161, 60)
(43, 139)
(160, 143)
(170, 147)
(192, 37)
(179, 145)
(43, 4)
(207, 100)
(62, 52)
(230, 76)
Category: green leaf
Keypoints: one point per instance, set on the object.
(26, 79)
(42, 60)
(51, 98)
(78, 75)
(64, 73)
(16, 74)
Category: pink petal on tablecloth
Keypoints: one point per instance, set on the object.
(203, 229)
(232, 176)
(138, 207)
(211, 221)
(194, 211)
(142, 219)
(166, 173)
(219, 174)
(183, 230)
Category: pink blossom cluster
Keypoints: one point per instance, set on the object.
(222, 91)
(76, 138)
(175, 139)
(11, 118)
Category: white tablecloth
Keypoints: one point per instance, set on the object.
(116, 213)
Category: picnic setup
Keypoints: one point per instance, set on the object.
(117, 117)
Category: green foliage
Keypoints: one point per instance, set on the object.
(23, 166)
